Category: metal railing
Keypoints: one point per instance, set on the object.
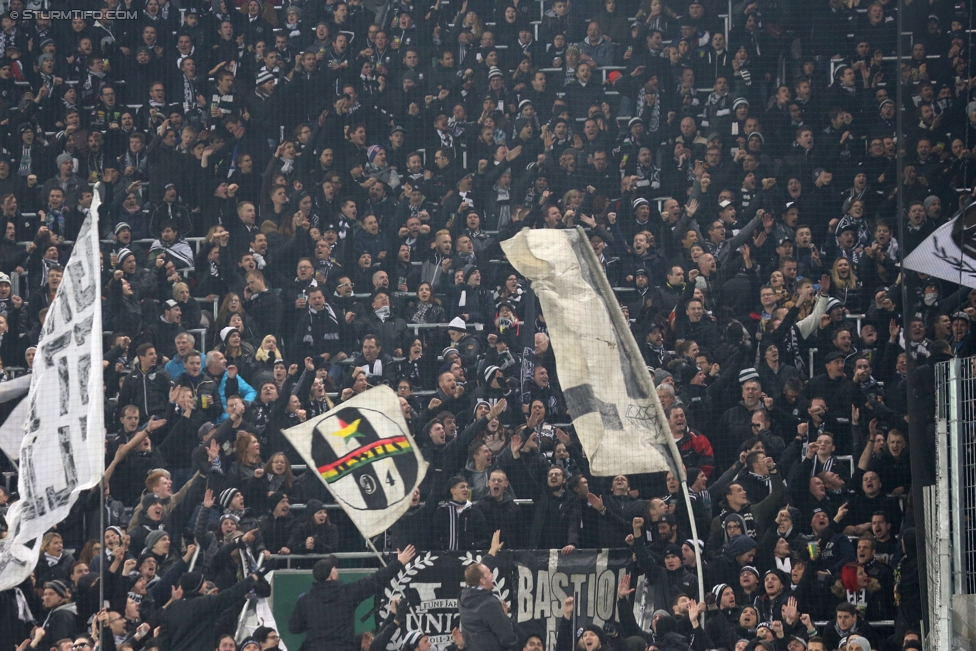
(955, 382)
(950, 504)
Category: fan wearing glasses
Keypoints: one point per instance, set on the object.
(83, 643)
(267, 637)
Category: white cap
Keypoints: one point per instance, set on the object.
(457, 323)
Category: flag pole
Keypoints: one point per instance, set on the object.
(694, 536)
(373, 547)
(102, 485)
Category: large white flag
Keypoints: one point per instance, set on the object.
(12, 429)
(363, 452)
(950, 252)
(63, 446)
(607, 388)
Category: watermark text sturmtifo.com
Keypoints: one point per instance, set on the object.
(70, 14)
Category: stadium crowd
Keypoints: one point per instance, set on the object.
(303, 201)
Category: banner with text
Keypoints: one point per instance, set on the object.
(534, 584)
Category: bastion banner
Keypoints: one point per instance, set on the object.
(532, 583)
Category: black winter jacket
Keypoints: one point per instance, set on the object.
(187, 624)
(484, 624)
(325, 613)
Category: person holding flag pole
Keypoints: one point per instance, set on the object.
(326, 613)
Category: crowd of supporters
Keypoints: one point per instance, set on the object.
(300, 202)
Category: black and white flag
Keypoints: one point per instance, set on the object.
(364, 454)
(950, 252)
(609, 393)
(63, 444)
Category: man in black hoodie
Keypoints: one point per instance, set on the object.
(500, 510)
(325, 613)
(557, 515)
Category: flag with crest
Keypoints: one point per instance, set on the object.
(363, 452)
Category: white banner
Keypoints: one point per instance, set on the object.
(950, 252)
(12, 430)
(63, 447)
(607, 388)
(364, 454)
(255, 614)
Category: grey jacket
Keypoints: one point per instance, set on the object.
(484, 624)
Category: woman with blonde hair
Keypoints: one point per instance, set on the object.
(845, 287)
(572, 200)
(54, 563)
(262, 365)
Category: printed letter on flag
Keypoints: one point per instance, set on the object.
(63, 446)
(365, 456)
(607, 388)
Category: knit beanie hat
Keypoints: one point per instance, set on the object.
(227, 496)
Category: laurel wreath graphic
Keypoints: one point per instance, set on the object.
(403, 578)
(499, 590)
(959, 262)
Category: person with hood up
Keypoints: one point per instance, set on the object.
(318, 534)
(485, 623)
(325, 613)
(738, 553)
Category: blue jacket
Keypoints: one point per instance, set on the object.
(245, 390)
